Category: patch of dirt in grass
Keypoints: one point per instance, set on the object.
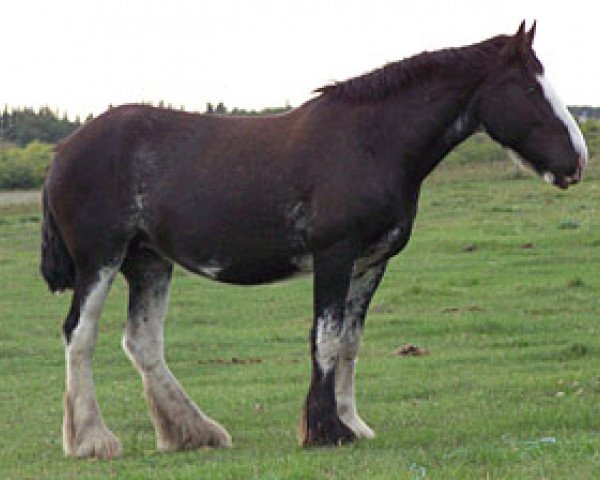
(410, 350)
(230, 361)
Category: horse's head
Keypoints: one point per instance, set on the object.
(518, 108)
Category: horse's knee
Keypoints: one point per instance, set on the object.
(143, 352)
(130, 347)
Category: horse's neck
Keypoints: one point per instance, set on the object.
(443, 124)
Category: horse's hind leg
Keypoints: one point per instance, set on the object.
(84, 432)
(179, 423)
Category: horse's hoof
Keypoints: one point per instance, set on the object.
(199, 432)
(360, 428)
(96, 442)
(323, 430)
(356, 424)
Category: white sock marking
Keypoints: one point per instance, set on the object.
(360, 290)
(84, 415)
(83, 338)
(327, 342)
(178, 421)
(143, 340)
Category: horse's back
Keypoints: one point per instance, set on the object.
(199, 189)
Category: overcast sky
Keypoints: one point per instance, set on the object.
(80, 56)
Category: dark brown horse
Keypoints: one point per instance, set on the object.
(331, 186)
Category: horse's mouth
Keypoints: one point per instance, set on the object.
(563, 181)
(558, 180)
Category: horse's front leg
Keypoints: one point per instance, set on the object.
(319, 422)
(362, 287)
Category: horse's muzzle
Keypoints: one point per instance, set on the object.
(565, 181)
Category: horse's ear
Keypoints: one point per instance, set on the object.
(519, 43)
(522, 39)
(520, 35)
(531, 34)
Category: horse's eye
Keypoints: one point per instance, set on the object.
(532, 89)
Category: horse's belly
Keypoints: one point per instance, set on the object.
(240, 249)
(254, 271)
(245, 260)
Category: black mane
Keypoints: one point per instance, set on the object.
(393, 77)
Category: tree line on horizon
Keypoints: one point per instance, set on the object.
(21, 126)
(27, 137)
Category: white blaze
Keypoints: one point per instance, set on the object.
(565, 116)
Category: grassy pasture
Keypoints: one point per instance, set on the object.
(500, 283)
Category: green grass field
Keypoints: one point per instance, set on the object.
(500, 283)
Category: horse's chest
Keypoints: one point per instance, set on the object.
(385, 247)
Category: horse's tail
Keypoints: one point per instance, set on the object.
(57, 266)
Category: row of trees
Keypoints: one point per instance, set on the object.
(27, 138)
(20, 126)
(221, 109)
(584, 113)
